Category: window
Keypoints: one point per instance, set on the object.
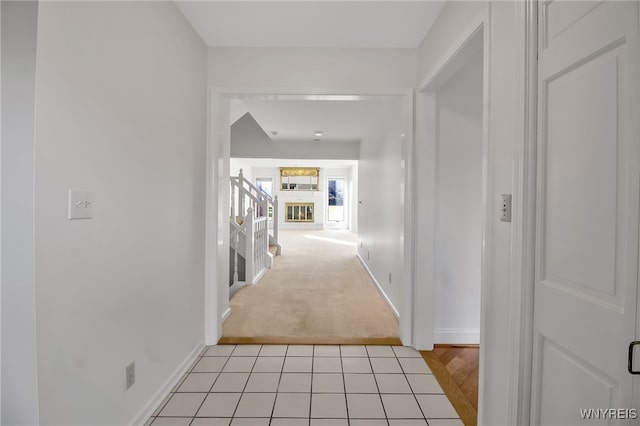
(335, 208)
(266, 185)
(299, 178)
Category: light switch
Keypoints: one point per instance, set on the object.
(505, 208)
(80, 205)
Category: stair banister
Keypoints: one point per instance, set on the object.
(252, 204)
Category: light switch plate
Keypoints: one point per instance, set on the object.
(80, 205)
(505, 208)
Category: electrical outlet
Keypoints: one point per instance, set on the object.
(505, 208)
(389, 277)
(368, 255)
(360, 244)
(130, 373)
(80, 205)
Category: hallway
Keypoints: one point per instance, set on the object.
(317, 291)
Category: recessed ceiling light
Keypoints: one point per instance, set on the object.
(316, 140)
(318, 133)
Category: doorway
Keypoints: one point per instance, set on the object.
(453, 216)
(217, 299)
(337, 210)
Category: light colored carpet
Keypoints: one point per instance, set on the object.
(317, 289)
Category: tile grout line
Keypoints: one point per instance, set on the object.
(313, 361)
(275, 400)
(375, 379)
(246, 383)
(212, 384)
(344, 385)
(412, 392)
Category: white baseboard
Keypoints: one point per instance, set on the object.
(162, 393)
(457, 336)
(379, 287)
(301, 226)
(226, 315)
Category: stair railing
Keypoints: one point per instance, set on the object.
(256, 249)
(244, 194)
(250, 218)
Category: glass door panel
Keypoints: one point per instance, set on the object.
(336, 207)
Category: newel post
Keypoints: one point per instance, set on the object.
(241, 196)
(249, 246)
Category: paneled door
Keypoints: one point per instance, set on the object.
(587, 211)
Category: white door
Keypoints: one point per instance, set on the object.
(587, 210)
(336, 202)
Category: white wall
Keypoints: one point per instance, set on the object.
(19, 364)
(235, 164)
(458, 216)
(381, 214)
(505, 109)
(321, 68)
(120, 112)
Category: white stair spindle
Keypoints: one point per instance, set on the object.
(241, 194)
(233, 201)
(249, 247)
(235, 258)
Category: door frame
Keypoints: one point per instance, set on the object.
(427, 132)
(347, 200)
(523, 238)
(523, 206)
(217, 195)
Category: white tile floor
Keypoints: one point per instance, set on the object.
(304, 385)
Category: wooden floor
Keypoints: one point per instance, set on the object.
(456, 369)
(270, 340)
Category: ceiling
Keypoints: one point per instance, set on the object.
(288, 162)
(343, 24)
(298, 120)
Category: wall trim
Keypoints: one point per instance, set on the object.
(315, 226)
(456, 49)
(427, 93)
(524, 219)
(379, 287)
(153, 404)
(226, 315)
(456, 336)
